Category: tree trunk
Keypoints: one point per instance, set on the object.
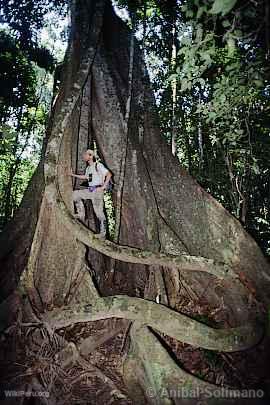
(175, 242)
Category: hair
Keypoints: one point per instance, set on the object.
(93, 153)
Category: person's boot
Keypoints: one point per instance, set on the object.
(102, 229)
(80, 211)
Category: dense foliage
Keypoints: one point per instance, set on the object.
(26, 66)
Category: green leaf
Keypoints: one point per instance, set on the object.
(206, 57)
(258, 83)
(238, 33)
(222, 6)
(226, 23)
(223, 98)
(231, 46)
(199, 34)
(172, 77)
(201, 81)
(184, 84)
(150, 12)
(255, 168)
(190, 13)
(200, 12)
(212, 115)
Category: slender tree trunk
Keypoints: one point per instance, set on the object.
(174, 90)
(267, 28)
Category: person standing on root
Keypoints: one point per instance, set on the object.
(98, 177)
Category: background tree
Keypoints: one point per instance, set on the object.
(26, 78)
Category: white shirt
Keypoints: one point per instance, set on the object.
(96, 173)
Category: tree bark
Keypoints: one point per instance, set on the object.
(169, 224)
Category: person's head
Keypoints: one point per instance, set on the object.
(89, 156)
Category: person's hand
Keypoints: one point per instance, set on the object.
(101, 188)
(71, 173)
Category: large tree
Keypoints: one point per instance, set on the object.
(173, 242)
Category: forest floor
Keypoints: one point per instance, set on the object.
(26, 355)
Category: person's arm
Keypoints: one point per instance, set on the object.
(106, 180)
(107, 177)
(78, 176)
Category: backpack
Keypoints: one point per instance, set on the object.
(109, 186)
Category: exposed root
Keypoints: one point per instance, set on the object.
(159, 317)
(91, 343)
(136, 256)
(156, 373)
